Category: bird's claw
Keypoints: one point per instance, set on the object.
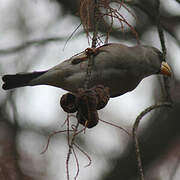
(88, 52)
(92, 51)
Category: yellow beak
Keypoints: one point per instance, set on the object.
(165, 69)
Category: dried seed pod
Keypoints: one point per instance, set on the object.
(86, 103)
(91, 51)
(103, 95)
(89, 120)
(67, 102)
(86, 97)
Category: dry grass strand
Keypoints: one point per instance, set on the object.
(104, 12)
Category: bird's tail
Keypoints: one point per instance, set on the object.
(19, 80)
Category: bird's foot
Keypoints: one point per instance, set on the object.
(91, 51)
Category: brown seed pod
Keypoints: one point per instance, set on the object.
(102, 94)
(86, 103)
(86, 97)
(67, 102)
(90, 121)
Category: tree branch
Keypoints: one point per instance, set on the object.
(28, 44)
(135, 127)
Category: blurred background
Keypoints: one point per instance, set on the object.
(33, 36)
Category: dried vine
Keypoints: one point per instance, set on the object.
(164, 50)
(106, 14)
(135, 138)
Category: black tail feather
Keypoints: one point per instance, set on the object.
(18, 80)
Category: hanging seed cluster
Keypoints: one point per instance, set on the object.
(86, 103)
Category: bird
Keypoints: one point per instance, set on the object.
(116, 66)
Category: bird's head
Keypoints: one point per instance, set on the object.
(164, 67)
(155, 62)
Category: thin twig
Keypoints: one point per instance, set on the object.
(77, 164)
(71, 144)
(160, 30)
(105, 10)
(71, 35)
(164, 50)
(70, 149)
(94, 42)
(68, 140)
(85, 153)
(119, 127)
(134, 132)
(49, 138)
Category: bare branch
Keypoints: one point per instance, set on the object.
(28, 44)
(134, 131)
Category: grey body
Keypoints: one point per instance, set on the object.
(116, 66)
